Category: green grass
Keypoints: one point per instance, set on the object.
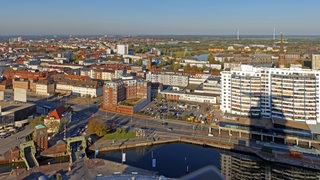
(119, 135)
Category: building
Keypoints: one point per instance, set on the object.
(122, 49)
(276, 93)
(44, 87)
(56, 118)
(80, 85)
(113, 93)
(103, 74)
(211, 86)
(168, 78)
(12, 112)
(126, 96)
(315, 61)
(40, 137)
(190, 97)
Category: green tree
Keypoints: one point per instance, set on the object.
(97, 127)
(211, 58)
(139, 62)
(36, 121)
(187, 67)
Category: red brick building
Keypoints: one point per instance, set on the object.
(116, 91)
(40, 138)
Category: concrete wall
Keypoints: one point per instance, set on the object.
(20, 95)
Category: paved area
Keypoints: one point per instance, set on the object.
(14, 140)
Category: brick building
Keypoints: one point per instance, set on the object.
(126, 96)
(40, 137)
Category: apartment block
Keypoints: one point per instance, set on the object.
(79, 85)
(168, 78)
(44, 87)
(126, 96)
(277, 93)
(315, 61)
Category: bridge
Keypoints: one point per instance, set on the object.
(76, 147)
(27, 154)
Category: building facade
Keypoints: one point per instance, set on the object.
(40, 138)
(315, 61)
(281, 93)
(122, 49)
(168, 78)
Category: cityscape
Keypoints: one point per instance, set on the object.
(159, 90)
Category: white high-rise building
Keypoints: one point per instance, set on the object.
(122, 49)
(279, 93)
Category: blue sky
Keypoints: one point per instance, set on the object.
(209, 17)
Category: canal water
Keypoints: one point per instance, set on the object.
(175, 159)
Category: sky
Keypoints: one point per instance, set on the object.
(159, 17)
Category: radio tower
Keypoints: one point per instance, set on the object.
(281, 54)
(274, 33)
(238, 34)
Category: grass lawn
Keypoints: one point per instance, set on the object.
(119, 135)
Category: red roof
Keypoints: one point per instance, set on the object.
(57, 113)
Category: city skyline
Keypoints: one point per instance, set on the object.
(188, 17)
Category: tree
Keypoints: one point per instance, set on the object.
(187, 67)
(211, 58)
(36, 121)
(97, 127)
(139, 62)
(159, 96)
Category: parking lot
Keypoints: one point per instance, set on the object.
(179, 110)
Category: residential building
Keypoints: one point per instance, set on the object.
(122, 49)
(126, 96)
(44, 87)
(315, 61)
(56, 118)
(168, 78)
(113, 93)
(78, 85)
(277, 93)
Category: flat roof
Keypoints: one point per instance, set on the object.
(294, 124)
(315, 128)
(8, 107)
(267, 123)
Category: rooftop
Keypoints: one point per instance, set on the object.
(40, 126)
(8, 107)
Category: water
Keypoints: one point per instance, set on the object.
(201, 57)
(173, 159)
